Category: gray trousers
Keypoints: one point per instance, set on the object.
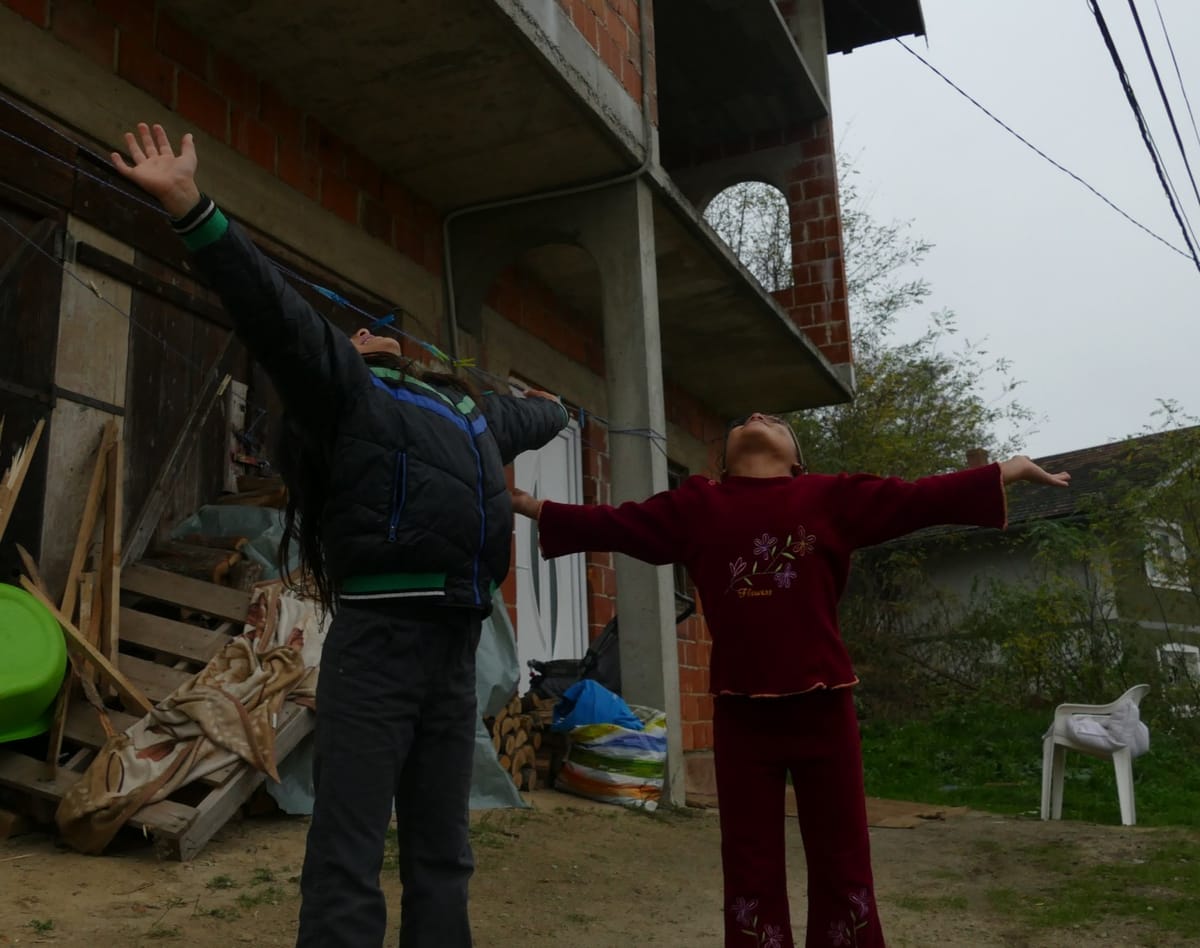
(395, 721)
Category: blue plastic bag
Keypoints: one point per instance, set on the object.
(589, 702)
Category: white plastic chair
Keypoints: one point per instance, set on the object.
(1054, 751)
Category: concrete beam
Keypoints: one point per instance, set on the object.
(807, 25)
(549, 28)
(82, 95)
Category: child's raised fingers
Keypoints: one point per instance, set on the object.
(134, 149)
(148, 146)
(120, 165)
(162, 142)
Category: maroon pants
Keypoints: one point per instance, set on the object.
(814, 737)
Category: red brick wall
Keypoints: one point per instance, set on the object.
(612, 28)
(817, 298)
(150, 50)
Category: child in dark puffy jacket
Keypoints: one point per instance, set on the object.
(398, 506)
(768, 547)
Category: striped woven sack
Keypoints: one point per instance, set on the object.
(613, 764)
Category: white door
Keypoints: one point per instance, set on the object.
(551, 607)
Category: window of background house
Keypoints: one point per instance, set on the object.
(676, 475)
(1166, 557)
(1180, 663)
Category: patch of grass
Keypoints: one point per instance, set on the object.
(987, 847)
(268, 896)
(1158, 890)
(224, 914)
(42, 925)
(990, 758)
(391, 853)
(262, 876)
(221, 882)
(492, 830)
(486, 836)
(578, 918)
(159, 932)
(936, 903)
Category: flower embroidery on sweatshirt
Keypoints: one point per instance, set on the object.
(770, 558)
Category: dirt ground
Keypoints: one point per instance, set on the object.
(566, 872)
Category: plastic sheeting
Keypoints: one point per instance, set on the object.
(262, 526)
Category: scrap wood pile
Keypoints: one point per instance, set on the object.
(527, 749)
(257, 491)
(220, 560)
(158, 657)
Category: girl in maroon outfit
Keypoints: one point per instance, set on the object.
(768, 547)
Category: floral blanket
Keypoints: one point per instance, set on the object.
(227, 713)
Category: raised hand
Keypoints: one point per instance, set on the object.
(525, 504)
(158, 171)
(1021, 468)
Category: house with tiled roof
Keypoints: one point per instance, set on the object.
(1123, 543)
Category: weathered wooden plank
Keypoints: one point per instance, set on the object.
(14, 476)
(178, 639)
(28, 775)
(157, 681)
(130, 693)
(83, 725)
(87, 525)
(109, 571)
(190, 593)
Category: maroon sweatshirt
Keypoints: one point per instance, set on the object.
(770, 555)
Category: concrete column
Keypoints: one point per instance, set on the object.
(807, 23)
(621, 237)
(616, 226)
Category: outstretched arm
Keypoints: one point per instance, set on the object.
(654, 530)
(312, 363)
(524, 424)
(877, 509)
(1021, 468)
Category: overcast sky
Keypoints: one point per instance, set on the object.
(1099, 319)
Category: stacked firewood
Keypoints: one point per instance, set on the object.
(519, 733)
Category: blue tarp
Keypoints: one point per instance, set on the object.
(589, 702)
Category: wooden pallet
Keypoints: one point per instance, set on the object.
(158, 654)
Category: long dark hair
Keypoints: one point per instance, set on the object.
(304, 456)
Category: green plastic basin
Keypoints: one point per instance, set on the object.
(33, 660)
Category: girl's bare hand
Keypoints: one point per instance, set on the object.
(525, 504)
(1021, 468)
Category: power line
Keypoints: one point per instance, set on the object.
(1034, 148)
(1144, 128)
(1178, 74)
(1021, 138)
(1162, 92)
